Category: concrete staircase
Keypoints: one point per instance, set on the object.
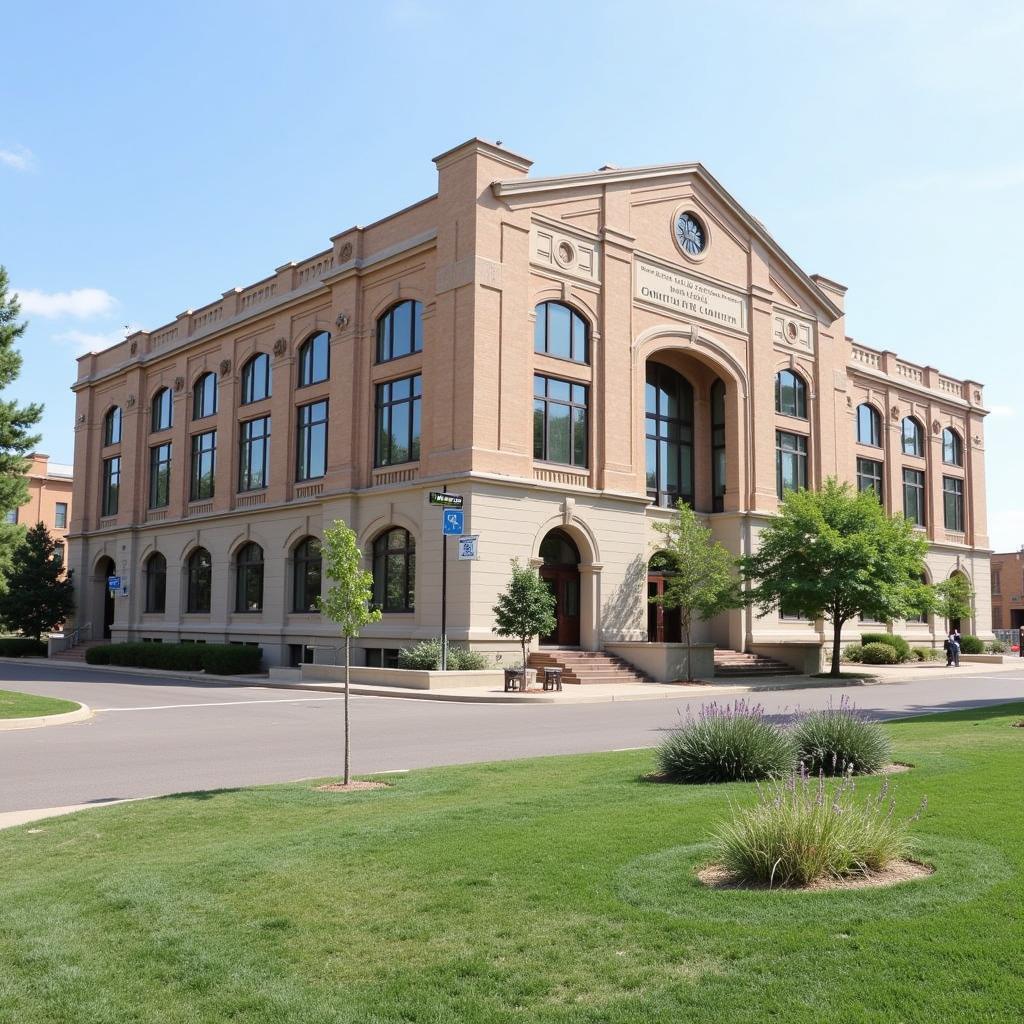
(579, 667)
(734, 664)
(77, 653)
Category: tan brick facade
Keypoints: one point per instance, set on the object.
(481, 257)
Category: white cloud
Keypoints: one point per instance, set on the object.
(87, 341)
(81, 303)
(20, 158)
(1002, 410)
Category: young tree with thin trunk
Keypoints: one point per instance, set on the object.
(526, 609)
(952, 599)
(39, 595)
(347, 603)
(702, 580)
(835, 554)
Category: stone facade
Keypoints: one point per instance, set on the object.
(655, 270)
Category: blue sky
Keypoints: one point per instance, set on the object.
(153, 157)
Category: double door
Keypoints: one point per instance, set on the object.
(564, 584)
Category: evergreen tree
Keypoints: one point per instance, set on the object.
(16, 421)
(526, 609)
(39, 596)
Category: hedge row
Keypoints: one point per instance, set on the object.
(22, 647)
(217, 659)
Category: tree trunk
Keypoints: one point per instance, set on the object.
(348, 730)
(689, 649)
(837, 632)
(524, 643)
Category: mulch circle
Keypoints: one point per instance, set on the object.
(352, 787)
(1018, 725)
(714, 876)
(894, 769)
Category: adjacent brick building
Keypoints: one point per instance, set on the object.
(49, 498)
(1008, 590)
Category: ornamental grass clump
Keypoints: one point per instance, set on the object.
(799, 833)
(726, 743)
(840, 738)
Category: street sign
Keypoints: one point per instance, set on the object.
(448, 500)
(114, 582)
(469, 548)
(452, 522)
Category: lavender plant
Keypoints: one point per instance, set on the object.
(800, 832)
(726, 743)
(841, 738)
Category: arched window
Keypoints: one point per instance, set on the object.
(204, 396)
(790, 394)
(394, 571)
(315, 359)
(249, 578)
(561, 332)
(913, 437)
(869, 425)
(306, 578)
(718, 446)
(669, 428)
(952, 448)
(163, 409)
(200, 581)
(156, 583)
(400, 331)
(256, 379)
(112, 426)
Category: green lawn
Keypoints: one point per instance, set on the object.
(549, 890)
(28, 705)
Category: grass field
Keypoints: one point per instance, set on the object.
(28, 705)
(549, 890)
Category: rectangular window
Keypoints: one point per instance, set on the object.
(204, 458)
(790, 462)
(11, 516)
(559, 421)
(60, 515)
(160, 475)
(254, 454)
(996, 583)
(869, 477)
(953, 503)
(111, 485)
(913, 495)
(311, 458)
(398, 421)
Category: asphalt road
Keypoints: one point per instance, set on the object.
(155, 736)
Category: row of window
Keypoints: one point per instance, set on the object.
(60, 515)
(394, 576)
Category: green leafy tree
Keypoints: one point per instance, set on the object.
(526, 608)
(347, 603)
(952, 598)
(39, 595)
(702, 578)
(835, 554)
(16, 421)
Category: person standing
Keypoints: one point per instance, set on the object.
(1020, 642)
(954, 643)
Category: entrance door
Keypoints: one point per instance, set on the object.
(663, 624)
(106, 568)
(561, 573)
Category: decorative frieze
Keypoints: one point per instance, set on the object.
(565, 252)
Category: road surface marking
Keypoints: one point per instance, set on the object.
(222, 704)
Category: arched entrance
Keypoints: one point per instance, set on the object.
(663, 624)
(561, 572)
(106, 568)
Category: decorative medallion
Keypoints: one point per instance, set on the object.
(936, 426)
(565, 254)
(179, 383)
(792, 331)
(133, 348)
(280, 346)
(341, 321)
(690, 234)
(346, 251)
(977, 438)
(131, 401)
(977, 398)
(895, 413)
(81, 417)
(225, 367)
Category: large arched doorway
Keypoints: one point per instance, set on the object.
(663, 624)
(561, 572)
(105, 569)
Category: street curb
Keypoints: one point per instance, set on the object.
(83, 712)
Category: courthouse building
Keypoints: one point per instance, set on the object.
(571, 354)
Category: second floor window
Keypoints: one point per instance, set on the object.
(790, 462)
(718, 463)
(60, 515)
(869, 425)
(869, 477)
(790, 394)
(204, 396)
(953, 503)
(561, 332)
(400, 331)
(112, 426)
(398, 421)
(559, 421)
(952, 448)
(163, 410)
(160, 475)
(256, 379)
(669, 436)
(254, 454)
(11, 516)
(311, 456)
(913, 496)
(315, 359)
(204, 458)
(111, 485)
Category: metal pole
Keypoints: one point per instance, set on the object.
(444, 593)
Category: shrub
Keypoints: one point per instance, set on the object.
(22, 647)
(838, 739)
(996, 647)
(218, 659)
(897, 643)
(926, 653)
(971, 645)
(726, 744)
(799, 832)
(426, 656)
(879, 654)
(853, 652)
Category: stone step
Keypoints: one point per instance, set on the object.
(587, 667)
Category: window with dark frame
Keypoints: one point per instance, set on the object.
(394, 571)
(953, 503)
(315, 359)
(913, 496)
(204, 465)
(790, 462)
(160, 475)
(249, 578)
(561, 332)
(60, 515)
(952, 448)
(306, 568)
(398, 421)
(111, 485)
(163, 410)
(156, 583)
(669, 436)
(912, 437)
(790, 394)
(204, 396)
(256, 379)
(869, 477)
(559, 421)
(112, 426)
(718, 463)
(869, 425)
(200, 582)
(253, 454)
(311, 441)
(400, 331)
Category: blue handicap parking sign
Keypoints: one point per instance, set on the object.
(451, 522)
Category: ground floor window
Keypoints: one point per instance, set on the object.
(249, 579)
(200, 581)
(382, 657)
(156, 583)
(306, 579)
(394, 571)
(790, 462)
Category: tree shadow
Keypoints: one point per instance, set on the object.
(623, 614)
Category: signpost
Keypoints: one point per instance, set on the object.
(452, 524)
(469, 548)
(113, 583)
(444, 498)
